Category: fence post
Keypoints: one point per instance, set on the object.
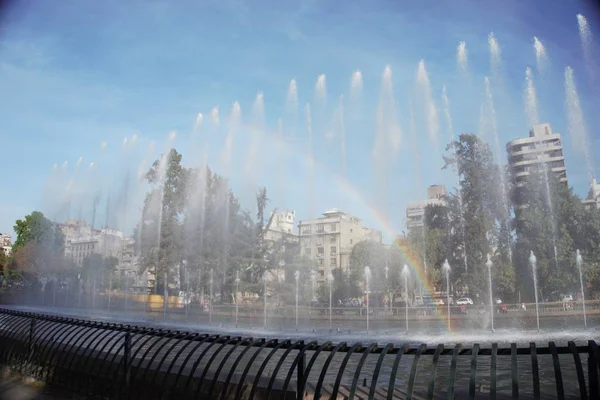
(30, 351)
(592, 372)
(126, 362)
(299, 385)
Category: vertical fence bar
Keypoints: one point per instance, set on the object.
(514, 371)
(593, 370)
(126, 363)
(300, 377)
(560, 392)
(32, 327)
(473, 378)
(493, 367)
(535, 371)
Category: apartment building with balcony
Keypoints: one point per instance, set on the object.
(415, 210)
(5, 243)
(329, 240)
(541, 150)
(593, 198)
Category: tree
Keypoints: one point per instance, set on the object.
(36, 228)
(98, 271)
(553, 223)
(38, 251)
(163, 209)
(481, 213)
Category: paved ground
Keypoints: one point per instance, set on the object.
(13, 388)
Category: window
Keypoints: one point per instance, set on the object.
(306, 229)
(321, 228)
(351, 241)
(333, 227)
(333, 251)
(320, 262)
(320, 251)
(333, 262)
(332, 239)
(306, 243)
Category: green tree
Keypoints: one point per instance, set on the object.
(38, 251)
(99, 271)
(480, 212)
(36, 228)
(161, 226)
(553, 223)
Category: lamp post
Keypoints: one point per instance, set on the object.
(297, 277)
(387, 270)
(237, 291)
(265, 299)
(186, 277)
(367, 284)
(313, 284)
(330, 280)
(406, 274)
(210, 297)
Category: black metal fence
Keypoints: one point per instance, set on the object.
(108, 360)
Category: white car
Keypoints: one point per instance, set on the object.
(463, 301)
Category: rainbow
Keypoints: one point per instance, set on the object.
(408, 254)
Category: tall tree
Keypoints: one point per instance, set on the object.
(485, 218)
(161, 219)
(38, 251)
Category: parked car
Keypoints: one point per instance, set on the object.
(567, 298)
(438, 302)
(463, 301)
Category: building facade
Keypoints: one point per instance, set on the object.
(541, 150)
(415, 210)
(593, 199)
(5, 243)
(81, 241)
(329, 240)
(281, 234)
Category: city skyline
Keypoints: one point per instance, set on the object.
(87, 91)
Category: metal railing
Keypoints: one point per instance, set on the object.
(108, 360)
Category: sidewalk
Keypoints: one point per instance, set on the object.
(13, 388)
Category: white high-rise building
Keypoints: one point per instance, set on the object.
(593, 198)
(329, 240)
(415, 210)
(5, 243)
(542, 149)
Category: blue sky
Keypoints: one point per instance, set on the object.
(76, 74)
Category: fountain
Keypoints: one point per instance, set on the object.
(579, 261)
(446, 270)
(251, 149)
(406, 274)
(367, 287)
(533, 264)
(237, 291)
(297, 278)
(489, 265)
(330, 281)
